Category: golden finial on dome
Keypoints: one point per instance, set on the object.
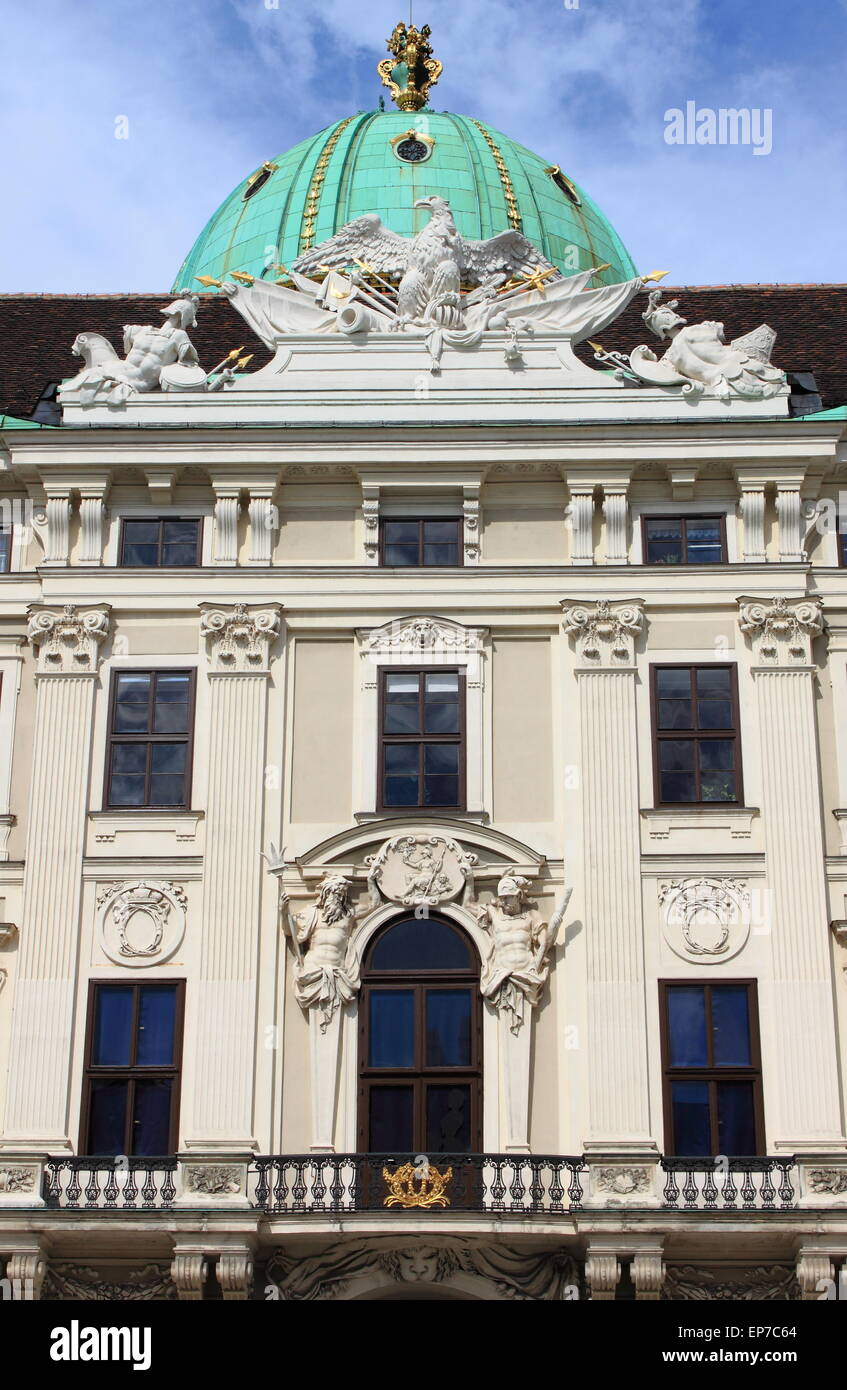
(412, 70)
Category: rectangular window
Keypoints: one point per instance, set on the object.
(5, 551)
(712, 1069)
(420, 544)
(150, 735)
(161, 543)
(696, 746)
(842, 547)
(684, 540)
(132, 1069)
(422, 736)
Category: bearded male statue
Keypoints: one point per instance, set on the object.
(521, 944)
(327, 972)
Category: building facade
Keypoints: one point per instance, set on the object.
(423, 773)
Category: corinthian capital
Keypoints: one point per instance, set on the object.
(68, 639)
(239, 639)
(781, 630)
(604, 632)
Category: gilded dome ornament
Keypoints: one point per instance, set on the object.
(412, 70)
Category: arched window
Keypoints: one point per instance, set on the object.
(420, 1043)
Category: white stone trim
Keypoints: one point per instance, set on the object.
(726, 509)
(138, 512)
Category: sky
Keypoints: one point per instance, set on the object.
(123, 124)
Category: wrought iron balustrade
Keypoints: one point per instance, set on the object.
(729, 1184)
(500, 1184)
(107, 1184)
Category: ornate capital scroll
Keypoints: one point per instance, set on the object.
(781, 630)
(604, 632)
(68, 640)
(239, 639)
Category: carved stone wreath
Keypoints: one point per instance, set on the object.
(705, 919)
(417, 870)
(141, 923)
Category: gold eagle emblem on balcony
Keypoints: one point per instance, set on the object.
(417, 1186)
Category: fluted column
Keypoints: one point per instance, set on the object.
(616, 515)
(753, 518)
(68, 642)
(582, 526)
(223, 1022)
(58, 513)
(227, 504)
(604, 634)
(92, 511)
(803, 1027)
(788, 511)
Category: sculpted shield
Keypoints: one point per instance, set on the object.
(417, 870)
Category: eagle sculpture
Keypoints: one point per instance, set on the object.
(433, 265)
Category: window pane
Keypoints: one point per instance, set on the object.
(687, 1026)
(676, 754)
(156, 1021)
(674, 714)
(107, 1117)
(132, 695)
(704, 541)
(664, 528)
(151, 1124)
(441, 703)
(141, 543)
(402, 704)
(401, 543)
(717, 775)
(664, 542)
(170, 715)
(391, 1112)
(677, 787)
(736, 1117)
(672, 682)
(391, 1038)
(714, 681)
(730, 1027)
(441, 774)
(690, 1114)
(421, 944)
(448, 1119)
(113, 1026)
(5, 549)
(167, 774)
(441, 542)
(179, 543)
(714, 714)
(448, 1028)
(400, 761)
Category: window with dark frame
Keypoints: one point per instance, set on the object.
(132, 1069)
(712, 1069)
(842, 548)
(422, 739)
(161, 543)
(420, 1049)
(696, 744)
(5, 551)
(422, 543)
(150, 736)
(684, 540)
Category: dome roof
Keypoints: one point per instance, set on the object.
(363, 164)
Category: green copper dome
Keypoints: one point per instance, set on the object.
(301, 198)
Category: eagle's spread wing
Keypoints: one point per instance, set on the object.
(366, 239)
(509, 252)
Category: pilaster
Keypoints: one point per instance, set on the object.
(781, 632)
(68, 642)
(604, 635)
(239, 643)
(753, 519)
(227, 505)
(789, 514)
(616, 516)
(582, 524)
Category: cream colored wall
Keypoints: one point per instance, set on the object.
(317, 524)
(522, 742)
(524, 522)
(323, 743)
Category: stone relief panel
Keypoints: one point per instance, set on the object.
(706, 920)
(64, 1281)
(760, 1283)
(141, 923)
(418, 870)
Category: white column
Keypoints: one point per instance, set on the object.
(802, 1031)
(788, 511)
(753, 518)
(223, 1019)
(264, 523)
(226, 526)
(616, 1048)
(68, 642)
(582, 526)
(91, 514)
(515, 1054)
(616, 514)
(58, 509)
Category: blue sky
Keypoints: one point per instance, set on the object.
(211, 88)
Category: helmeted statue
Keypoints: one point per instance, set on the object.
(151, 350)
(521, 943)
(700, 359)
(327, 972)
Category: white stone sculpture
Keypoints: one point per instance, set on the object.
(421, 869)
(781, 630)
(521, 944)
(705, 919)
(699, 358)
(68, 640)
(141, 923)
(327, 972)
(157, 359)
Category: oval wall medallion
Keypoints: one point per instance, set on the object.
(141, 923)
(706, 920)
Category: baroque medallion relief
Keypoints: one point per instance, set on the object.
(141, 923)
(705, 919)
(417, 870)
